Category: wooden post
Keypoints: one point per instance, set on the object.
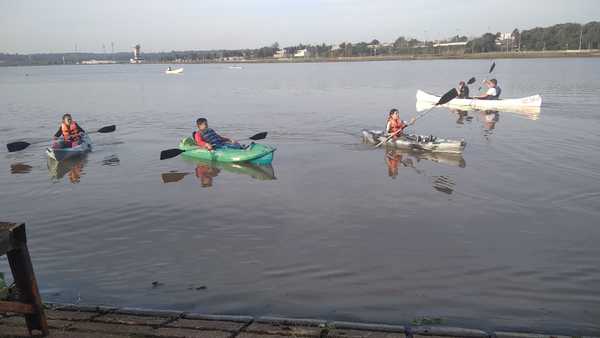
(30, 301)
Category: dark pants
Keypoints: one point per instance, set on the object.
(231, 146)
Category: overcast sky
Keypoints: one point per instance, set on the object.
(30, 26)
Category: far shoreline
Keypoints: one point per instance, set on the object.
(412, 57)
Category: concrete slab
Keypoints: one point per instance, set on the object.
(349, 333)
(70, 315)
(188, 333)
(113, 328)
(206, 325)
(130, 319)
(283, 330)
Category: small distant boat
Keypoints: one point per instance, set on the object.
(174, 71)
(529, 106)
(235, 67)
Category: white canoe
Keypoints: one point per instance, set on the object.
(415, 142)
(60, 154)
(174, 71)
(530, 106)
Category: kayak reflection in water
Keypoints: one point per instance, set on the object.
(463, 116)
(73, 168)
(205, 173)
(393, 159)
(410, 159)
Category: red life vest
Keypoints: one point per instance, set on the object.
(70, 132)
(396, 125)
(199, 141)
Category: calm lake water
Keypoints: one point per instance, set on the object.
(505, 237)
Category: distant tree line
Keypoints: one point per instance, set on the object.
(557, 37)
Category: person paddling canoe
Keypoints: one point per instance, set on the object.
(493, 92)
(207, 138)
(463, 90)
(395, 125)
(70, 132)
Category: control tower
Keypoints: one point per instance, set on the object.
(137, 57)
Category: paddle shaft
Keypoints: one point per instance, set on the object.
(487, 75)
(447, 97)
(20, 145)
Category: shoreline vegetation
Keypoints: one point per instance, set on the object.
(415, 57)
(561, 40)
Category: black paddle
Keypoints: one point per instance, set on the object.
(170, 153)
(20, 145)
(490, 72)
(449, 96)
(471, 80)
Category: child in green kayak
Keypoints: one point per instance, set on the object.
(207, 138)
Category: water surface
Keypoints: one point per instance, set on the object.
(505, 236)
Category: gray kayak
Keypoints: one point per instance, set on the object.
(415, 142)
(57, 153)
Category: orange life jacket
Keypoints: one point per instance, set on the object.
(199, 141)
(70, 131)
(395, 126)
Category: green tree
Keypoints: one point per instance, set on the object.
(485, 43)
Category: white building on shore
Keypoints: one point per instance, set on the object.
(302, 53)
(280, 54)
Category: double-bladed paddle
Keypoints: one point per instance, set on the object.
(489, 72)
(449, 96)
(170, 153)
(20, 145)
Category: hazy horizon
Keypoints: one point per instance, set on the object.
(55, 27)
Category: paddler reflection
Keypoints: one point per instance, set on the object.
(206, 171)
(462, 116)
(489, 118)
(397, 158)
(394, 158)
(205, 174)
(72, 168)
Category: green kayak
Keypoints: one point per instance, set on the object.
(255, 153)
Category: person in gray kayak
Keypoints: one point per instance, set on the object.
(463, 90)
(207, 138)
(493, 92)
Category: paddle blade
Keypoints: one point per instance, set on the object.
(172, 177)
(258, 136)
(170, 153)
(107, 129)
(471, 80)
(492, 67)
(451, 94)
(16, 146)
